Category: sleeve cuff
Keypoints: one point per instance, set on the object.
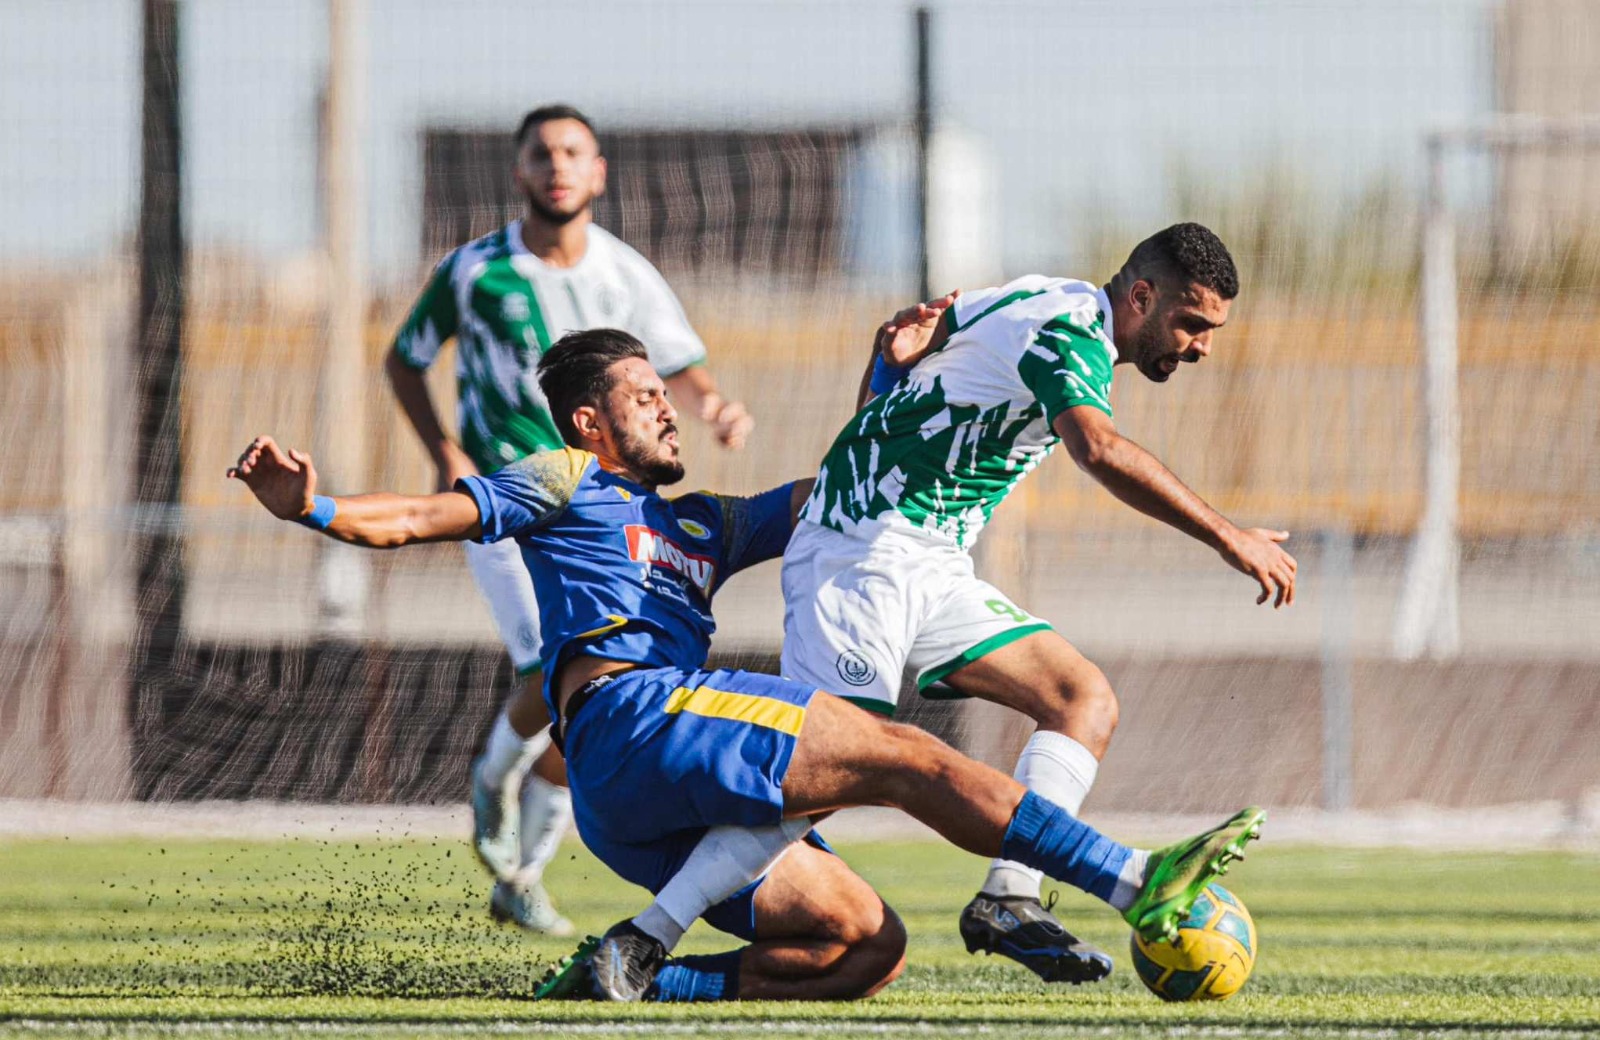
(1052, 414)
(668, 373)
(488, 519)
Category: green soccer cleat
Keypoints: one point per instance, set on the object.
(1177, 874)
(572, 978)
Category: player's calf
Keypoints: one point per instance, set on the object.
(1046, 678)
(822, 933)
(846, 757)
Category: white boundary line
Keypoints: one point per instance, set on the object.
(1535, 825)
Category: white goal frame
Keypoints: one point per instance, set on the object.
(1428, 617)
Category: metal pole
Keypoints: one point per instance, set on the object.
(341, 423)
(923, 125)
(158, 375)
(1428, 621)
(1338, 685)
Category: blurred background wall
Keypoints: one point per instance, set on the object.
(214, 214)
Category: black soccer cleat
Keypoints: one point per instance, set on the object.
(1025, 930)
(625, 964)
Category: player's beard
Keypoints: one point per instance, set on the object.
(1149, 350)
(554, 217)
(654, 468)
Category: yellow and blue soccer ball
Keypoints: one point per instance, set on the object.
(1212, 957)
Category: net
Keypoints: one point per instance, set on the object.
(168, 641)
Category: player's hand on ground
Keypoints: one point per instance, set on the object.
(451, 465)
(1256, 551)
(284, 483)
(729, 420)
(907, 337)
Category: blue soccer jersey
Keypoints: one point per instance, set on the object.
(620, 571)
(668, 750)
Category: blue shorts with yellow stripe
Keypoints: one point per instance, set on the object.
(658, 756)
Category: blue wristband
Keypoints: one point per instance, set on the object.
(323, 510)
(886, 377)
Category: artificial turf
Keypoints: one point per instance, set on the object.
(379, 938)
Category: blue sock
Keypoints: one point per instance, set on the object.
(706, 977)
(1048, 838)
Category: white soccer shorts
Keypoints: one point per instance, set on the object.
(859, 610)
(507, 587)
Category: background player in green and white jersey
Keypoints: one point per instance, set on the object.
(505, 298)
(878, 577)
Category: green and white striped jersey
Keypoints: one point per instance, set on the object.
(505, 307)
(939, 452)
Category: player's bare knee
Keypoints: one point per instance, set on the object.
(884, 953)
(875, 956)
(1083, 706)
(1098, 710)
(853, 915)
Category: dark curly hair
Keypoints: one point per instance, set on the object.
(1185, 254)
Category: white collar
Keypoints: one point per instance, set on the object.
(520, 250)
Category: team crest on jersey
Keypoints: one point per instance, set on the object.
(694, 529)
(606, 299)
(514, 307)
(647, 545)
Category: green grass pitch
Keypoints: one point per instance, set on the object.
(389, 938)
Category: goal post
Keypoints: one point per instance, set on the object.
(1428, 618)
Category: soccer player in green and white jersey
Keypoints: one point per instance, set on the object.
(878, 576)
(505, 298)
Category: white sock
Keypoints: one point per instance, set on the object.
(508, 754)
(546, 813)
(725, 860)
(1129, 880)
(1059, 770)
(657, 922)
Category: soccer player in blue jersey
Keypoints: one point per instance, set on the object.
(661, 753)
(504, 298)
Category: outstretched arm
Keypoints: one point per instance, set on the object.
(286, 483)
(1139, 479)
